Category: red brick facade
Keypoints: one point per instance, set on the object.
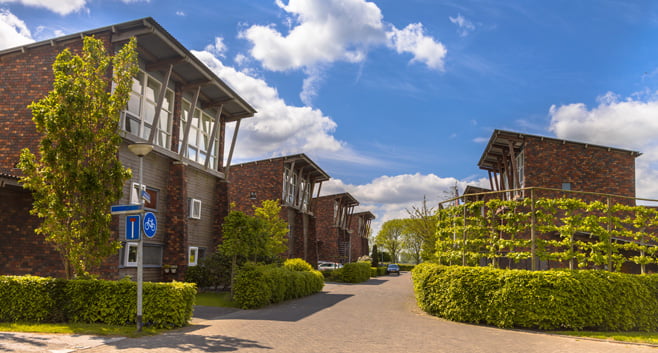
(333, 217)
(359, 234)
(27, 76)
(252, 183)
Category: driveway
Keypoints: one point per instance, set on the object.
(376, 316)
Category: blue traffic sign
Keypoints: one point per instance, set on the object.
(133, 227)
(122, 209)
(150, 224)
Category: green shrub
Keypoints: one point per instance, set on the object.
(259, 285)
(297, 265)
(353, 272)
(38, 299)
(406, 267)
(213, 272)
(377, 271)
(30, 298)
(550, 300)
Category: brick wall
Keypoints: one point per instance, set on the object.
(264, 178)
(549, 163)
(326, 233)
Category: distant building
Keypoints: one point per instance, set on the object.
(334, 214)
(291, 179)
(177, 104)
(360, 227)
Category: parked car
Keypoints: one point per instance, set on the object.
(393, 268)
(326, 265)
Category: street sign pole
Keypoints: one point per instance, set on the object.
(140, 254)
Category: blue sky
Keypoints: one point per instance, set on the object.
(397, 99)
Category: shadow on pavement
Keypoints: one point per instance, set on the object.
(189, 342)
(291, 310)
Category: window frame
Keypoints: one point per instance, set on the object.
(193, 260)
(192, 208)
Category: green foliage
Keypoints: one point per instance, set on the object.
(390, 236)
(30, 298)
(274, 227)
(375, 256)
(353, 272)
(260, 285)
(297, 265)
(78, 175)
(548, 300)
(377, 271)
(38, 299)
(471, 232)
(213, 272)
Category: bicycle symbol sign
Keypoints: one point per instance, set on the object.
(150, 224)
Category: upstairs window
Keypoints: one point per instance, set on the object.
(198, 147)
(138, 118)
(195, 208)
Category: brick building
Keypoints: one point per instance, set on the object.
(359, 234)
(333, 219)
(515, 160)
(177, 104)
(293, 180)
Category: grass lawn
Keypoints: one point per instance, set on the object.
(635, 337)
(79, 328)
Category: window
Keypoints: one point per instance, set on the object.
(193, 256)
(198, 138)
(152, 255)
(195, 208)
(151, 201)
(520, 169)
(131, 254)
(566, 186)
(139, 115)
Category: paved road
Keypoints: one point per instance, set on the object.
(376, 316)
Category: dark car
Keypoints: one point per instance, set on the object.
(393, 268)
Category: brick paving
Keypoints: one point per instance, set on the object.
(376, 316)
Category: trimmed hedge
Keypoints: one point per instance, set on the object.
(353, 272)
(377, 271)
(547, 300)
(44, 299)
(259, 285)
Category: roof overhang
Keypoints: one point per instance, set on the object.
(315, 173)
(501, 141)
(159, 50)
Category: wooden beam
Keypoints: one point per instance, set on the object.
(515, 178)
(162, 64)
(186, 133)
(158, 106)
(230, 152)
(213, 135)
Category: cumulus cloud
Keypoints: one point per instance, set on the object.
(413, 40)
(218, 48)
(464, 26)
(389, 197)
(62, 7)
(13, 31)
(630, 123)
(277, 126)
(321, 32)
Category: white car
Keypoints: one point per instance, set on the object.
(325, 265)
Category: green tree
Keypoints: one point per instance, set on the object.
(390, 237)
(242, 237)
(412, 240)
(422, 228)
(274, 229)
(375, 256)
(77, 175)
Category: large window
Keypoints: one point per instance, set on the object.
(198, 139)
(289, 186)
(139, 116)
(152, 255)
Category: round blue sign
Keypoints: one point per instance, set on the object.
(150, 224)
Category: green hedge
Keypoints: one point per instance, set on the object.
(406, 267)
(39, 299)
(377, 271)
(259, 285)
(549, 300)
(353, 272)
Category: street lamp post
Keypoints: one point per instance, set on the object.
(140, 150)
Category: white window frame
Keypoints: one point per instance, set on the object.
(193, 260)
(195, 211)
(198, 139)
(129, 263)
(139, 100)
(134, 197)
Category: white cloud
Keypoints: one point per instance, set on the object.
(13, 31)
(218, 48)
(322, 31)
(465, 27)
(277, 128)
(62, 7)
(389, 197)
(180, 13)
(425, 49)
(630, 123)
